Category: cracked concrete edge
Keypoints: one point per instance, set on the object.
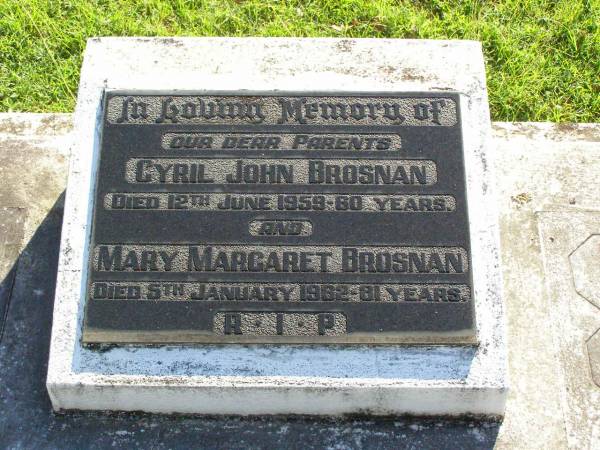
(48, 133)
(557, 132)
(35, 124)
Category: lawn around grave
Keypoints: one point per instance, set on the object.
(543, 56)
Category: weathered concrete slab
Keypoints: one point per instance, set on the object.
(571, 256)
(541, 168)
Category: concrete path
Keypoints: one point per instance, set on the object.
(548, 179)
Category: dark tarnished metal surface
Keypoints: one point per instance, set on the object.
(280, 218)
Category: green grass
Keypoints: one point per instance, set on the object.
(543, 56)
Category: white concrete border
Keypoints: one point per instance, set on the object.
(335, 380)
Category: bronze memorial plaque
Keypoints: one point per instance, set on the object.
(280, 217)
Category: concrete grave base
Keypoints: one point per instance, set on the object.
(270, 379)
(552, 389)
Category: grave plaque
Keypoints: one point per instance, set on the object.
(236, 242)
(249, 217)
